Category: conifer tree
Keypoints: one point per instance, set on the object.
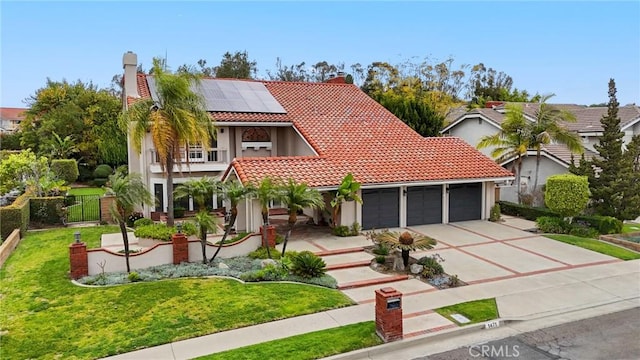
(606, 183)
(630, 171)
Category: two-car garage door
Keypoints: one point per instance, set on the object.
(381, 207)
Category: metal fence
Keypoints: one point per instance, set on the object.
(81, 208)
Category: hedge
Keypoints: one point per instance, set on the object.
(47, 210)
(102, 171)
(604, 224)
(15, 216)
(567, 194)
(65, 169)
(527, 212)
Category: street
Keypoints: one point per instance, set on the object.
(612, 337)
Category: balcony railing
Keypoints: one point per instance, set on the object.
(196, 156)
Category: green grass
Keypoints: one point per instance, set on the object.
(86, 191)
(597, 246)
(313, 345)
(45, 316)
(476, 311)
(630, 227)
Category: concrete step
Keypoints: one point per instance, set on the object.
(339, 251)
(348, 265)
(374, 281)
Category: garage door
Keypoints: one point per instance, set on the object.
(380, 208)
(424, 205)
(465, 202)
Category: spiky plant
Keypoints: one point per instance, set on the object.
(405, 242)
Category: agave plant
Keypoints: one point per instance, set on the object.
(405, 242)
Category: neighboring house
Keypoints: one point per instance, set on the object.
(477, 123)
(317, 133)
(10, 119)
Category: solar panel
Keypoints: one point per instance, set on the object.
(232, 96)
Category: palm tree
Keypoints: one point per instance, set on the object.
(404, 241)
(176, 120)
(267, 191)
(297, 197)
(548, 128)
(198, 189)
(232, 191)
(347, 191)
(129, 192)
(512, 141)
(206, 223)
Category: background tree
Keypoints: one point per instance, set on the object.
(129, 192)
(606, 184)
(289, 72)
(79, 110)
(177, 120)
(567, 194)
(297, 197)
(11, 141)
(236, 66)
(630, 174)
(17, 169)
(60, 148)
(233, 192)
(416, 113)
(198, 189)
(486, 84)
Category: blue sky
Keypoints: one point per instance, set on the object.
(569, 48)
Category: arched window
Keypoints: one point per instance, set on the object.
(255, 134)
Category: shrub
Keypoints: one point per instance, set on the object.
(102, 171)
(47, 210)
(431, 265)
(261, 253)
(279, 239)
(527, 212)
(178, 212)
(134, 217)
(381, 259)
(142, 222)
(342, 231)
(85, 173)
(604, 224)
(134, 277)
(495, 213)
(155, 231)
(584, 231)
(15, 216)
(381, 249)
(567, 194)
(99, 182)
(188, 228)
(307, 265)
(554, 225)
(355, 228)
(65, 169)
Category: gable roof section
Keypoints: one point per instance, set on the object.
(490, 115)
(351, 132)
(558, 153)
(8, 113)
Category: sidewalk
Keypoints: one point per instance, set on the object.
(519, 299)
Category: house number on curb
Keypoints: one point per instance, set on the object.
(492, 324)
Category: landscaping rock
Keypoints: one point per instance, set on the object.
(266, 262)
(398, 264)
(416, 268)
(223, 266)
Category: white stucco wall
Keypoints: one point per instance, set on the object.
(472, 130)
(114, 262)
(228, 251)
(489, 198)
(547, 168)
(348, 213)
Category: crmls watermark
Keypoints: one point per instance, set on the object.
(505, 351)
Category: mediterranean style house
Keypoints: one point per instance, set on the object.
(316, 133)
(477, 123)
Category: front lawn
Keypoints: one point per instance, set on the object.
(86, 191)
(314, 345)
(597, 246)
(476, 311)
(630, 228)
(45, 316)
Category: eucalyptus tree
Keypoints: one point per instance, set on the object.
(176, 120)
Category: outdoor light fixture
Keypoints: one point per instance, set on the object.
(179, 227)
(76, 235)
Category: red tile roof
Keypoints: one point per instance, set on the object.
(9, 113)
(353, 133)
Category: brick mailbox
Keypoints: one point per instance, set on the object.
(389, 314)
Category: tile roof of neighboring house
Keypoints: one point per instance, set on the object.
(563, 153)
(8, 113)
(353, 133)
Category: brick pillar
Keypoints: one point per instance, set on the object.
(105, 205)
(271, 235)
(180, 248)
(389, 314)
(78, 260)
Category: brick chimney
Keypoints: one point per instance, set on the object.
(130, 65)
(336, 79)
